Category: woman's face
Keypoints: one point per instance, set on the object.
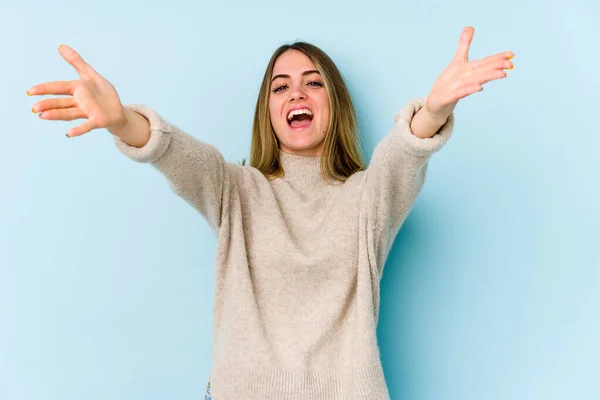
(298, 105)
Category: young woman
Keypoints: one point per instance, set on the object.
(305, 229)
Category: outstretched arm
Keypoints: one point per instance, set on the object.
(195, 170)
(398, 167)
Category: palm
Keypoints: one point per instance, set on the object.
(91, 97)
(97, 99)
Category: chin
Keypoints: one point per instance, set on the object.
(300, 140)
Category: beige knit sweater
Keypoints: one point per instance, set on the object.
(299, 260)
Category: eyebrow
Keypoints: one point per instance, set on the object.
(312, 71)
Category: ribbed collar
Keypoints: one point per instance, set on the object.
(305, 170)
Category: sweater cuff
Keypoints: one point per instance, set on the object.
(160, 136)
(414, 144)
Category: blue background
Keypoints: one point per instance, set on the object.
(492, 289)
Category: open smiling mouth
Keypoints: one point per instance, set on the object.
(300, 119)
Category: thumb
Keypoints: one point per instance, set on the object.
(73, 58)
(462, 54)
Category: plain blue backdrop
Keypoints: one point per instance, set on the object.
(492, 288)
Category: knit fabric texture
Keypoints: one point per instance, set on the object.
(299, 259)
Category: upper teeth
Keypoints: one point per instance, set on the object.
(300, 111)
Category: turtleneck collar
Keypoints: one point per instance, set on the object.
(301, 169)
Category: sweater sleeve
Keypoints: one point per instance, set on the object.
(395, 176)
(196, 171)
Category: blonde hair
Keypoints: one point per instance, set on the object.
(341, 152)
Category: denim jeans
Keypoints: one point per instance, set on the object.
(207, 395)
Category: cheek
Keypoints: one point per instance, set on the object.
(274, 112)
(276, 122)
(325, 116)
(324, 106)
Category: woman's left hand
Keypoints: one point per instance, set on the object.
(463, 77)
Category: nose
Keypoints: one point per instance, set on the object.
(296, 93)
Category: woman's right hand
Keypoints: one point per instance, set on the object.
(91, 97)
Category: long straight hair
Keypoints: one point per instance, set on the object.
(341, 151)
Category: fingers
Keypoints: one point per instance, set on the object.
(495, 64)
(66, 114)
(64, 109)
(463, 91)
(49, 104)
(464, 43)
(468, 90)
(499, 60)
(490, 75)
(73, 58)
(57, 87)
(490, 68)
(81, 129)
(475, 83)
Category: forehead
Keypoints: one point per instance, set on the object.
(292, 62)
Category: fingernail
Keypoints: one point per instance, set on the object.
(28, 94)
(511, 67)
(510, 57)
(67, 135)
(33, 111)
